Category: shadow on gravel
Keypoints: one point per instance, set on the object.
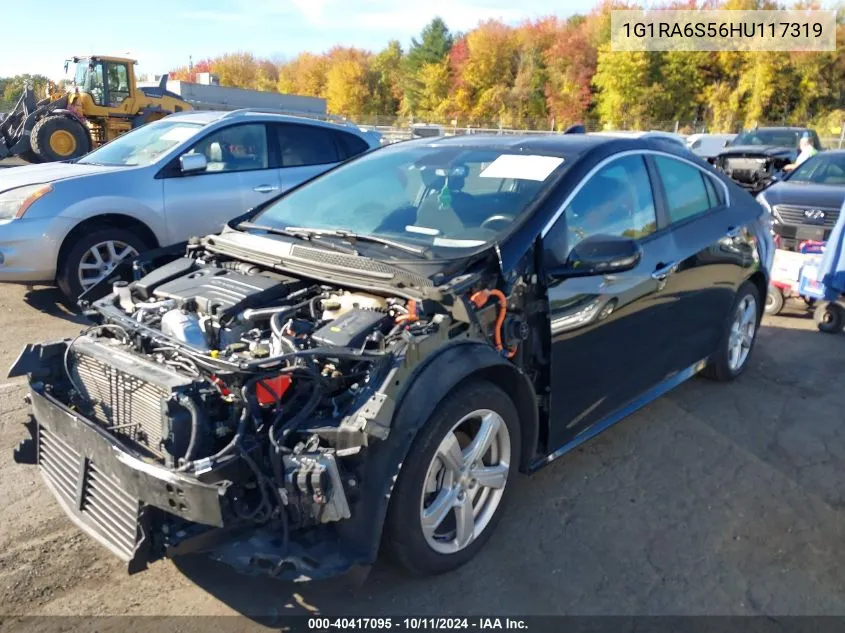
(51, 301)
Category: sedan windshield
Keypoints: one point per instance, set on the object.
(143, 145)
(822, 169)
(441, 196)
(777, 138)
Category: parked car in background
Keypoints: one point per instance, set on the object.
(184, 175)
(755, 158)
(805, 204)
(372, 357)
(708, 145)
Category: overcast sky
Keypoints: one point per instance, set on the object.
(280, 29)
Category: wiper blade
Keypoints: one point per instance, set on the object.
(352, 237)
(308, 236)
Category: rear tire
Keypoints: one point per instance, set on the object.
(443, 472)
(83, 255)
(56, 138)
(774, 301)
(829, 317)
(731, 357)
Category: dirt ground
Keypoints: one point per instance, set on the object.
(717, 499)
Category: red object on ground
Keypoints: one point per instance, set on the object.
(267, 390)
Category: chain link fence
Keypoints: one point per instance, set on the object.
(395, 129)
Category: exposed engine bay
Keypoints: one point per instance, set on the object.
(753, 171)
(258, 390)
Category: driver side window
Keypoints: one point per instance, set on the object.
(235, 148)
(617, 200)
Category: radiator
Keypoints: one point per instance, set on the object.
(128, 394)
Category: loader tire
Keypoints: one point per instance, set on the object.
(56, 138)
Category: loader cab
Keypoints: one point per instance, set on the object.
(110, 82)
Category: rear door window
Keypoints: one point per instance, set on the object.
(686, 192)
(304, 145)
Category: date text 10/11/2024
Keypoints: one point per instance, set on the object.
(417, 623)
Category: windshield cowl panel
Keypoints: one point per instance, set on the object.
(442, 200)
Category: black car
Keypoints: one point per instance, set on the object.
(371, 358)
(805, 204)
(755, 158)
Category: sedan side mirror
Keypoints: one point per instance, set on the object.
(193, 163)
(600, 255)
(726, 143)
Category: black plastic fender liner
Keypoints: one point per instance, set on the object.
(440, 374)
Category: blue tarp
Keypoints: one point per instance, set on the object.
(832, 266)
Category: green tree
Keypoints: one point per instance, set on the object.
(432, 47)
(12, 87)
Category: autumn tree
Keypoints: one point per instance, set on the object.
(239, 70)
(348, 81)
(570, 64)
(623, 82)
(305, 75)
(386, 68)
(552, 71)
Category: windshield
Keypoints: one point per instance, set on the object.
(143, 145)
(778, 138)
(821, 169)
(79, 77)
(446, 197)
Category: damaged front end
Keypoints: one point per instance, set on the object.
(754, 169)
(224, 407)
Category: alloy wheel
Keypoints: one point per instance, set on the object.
(465, 481)
(742, 332)
(102, 258)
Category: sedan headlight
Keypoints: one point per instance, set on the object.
(15, 202)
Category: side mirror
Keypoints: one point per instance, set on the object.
(192, 163)
(726, 143)
(600, 255)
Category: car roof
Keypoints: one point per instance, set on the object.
(791, 128)
(207, 117)
(553, 143)
(548, 142)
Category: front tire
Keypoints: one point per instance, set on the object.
(454, 483)
(829, 317)
(731, 357)
(93, 256)
(56, 138)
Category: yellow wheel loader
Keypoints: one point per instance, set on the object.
(103, 102)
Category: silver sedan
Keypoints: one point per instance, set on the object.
(188, 174)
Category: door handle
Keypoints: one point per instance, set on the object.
(265, 189)
(663, 271)
(733, 232)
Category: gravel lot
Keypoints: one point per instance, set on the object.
(717, 499)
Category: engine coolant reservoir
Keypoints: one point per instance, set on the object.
(337, 304)
(184, 327)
